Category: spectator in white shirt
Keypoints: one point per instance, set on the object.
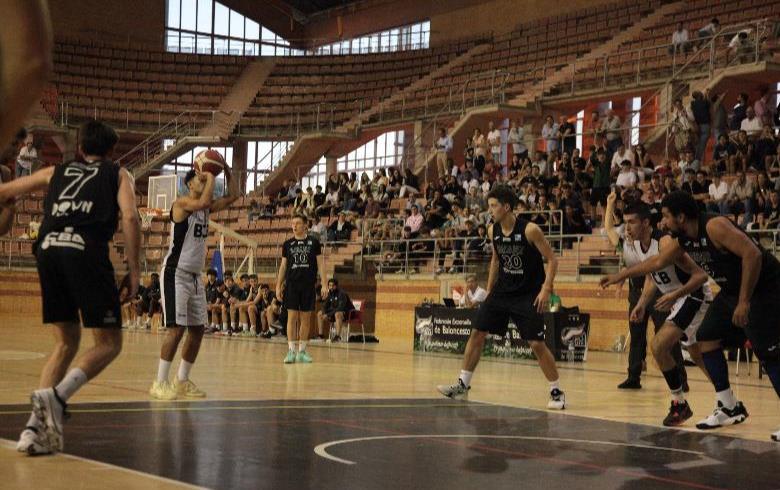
(708, 31)
(515, 137)
(622, 154)
(626, 178)
(719, 191)
(610, 127)
(680, 41)
(751, 124)
(494, 140)
(474, 295)
(741, 46)
(443, 149)
(27, 156)
(415, 220)
(550, 134)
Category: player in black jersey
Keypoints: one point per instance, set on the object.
(749, 280)
(81, 208)
(519, 289)
(301, 261)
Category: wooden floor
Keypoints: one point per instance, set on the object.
(248, 369)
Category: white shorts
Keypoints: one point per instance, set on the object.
(183, 299)
(688, 313)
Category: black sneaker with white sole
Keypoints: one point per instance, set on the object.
(723, 416)
(679, 412)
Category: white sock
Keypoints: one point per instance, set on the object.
(678, 395)
(465, 376)
(184, 370)
(555, 385)
(75, 379)
(244, 327)
(302, 346)
(291, 345)
(163, 369)
(727, 398)
(224, 326)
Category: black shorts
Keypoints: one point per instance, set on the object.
(763, 328)
(299, 297)
(599, 195)
(78, 281)
(494, 314)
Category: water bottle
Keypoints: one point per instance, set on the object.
(571, 353)
(555, 302)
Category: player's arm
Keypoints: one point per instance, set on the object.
(664, 258)
(536, 236)
(25, 64)
(280, 276)
(25, 185)
(190, 205)
(648, 291)
(609, 220)
(321, 269)
(493, 270)
(131, 229)
(697, 278)
(725, 235)
(225, 201)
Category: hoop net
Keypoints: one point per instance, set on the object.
(147, 215)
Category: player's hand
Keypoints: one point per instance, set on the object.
(542, 301)
(741, 314)
(279, 293)
(637, 314)
(665, 302)
(132, 291)
(612, 197)
(619, 288)
(609, 280)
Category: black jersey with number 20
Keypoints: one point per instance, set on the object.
(301, 258)
(520, 264)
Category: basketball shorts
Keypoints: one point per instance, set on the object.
(77, 281)
(763, 328)
(494, 314)
(183, 299)
(688, 314)
(299, 297)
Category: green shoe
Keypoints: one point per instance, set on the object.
(290, 359)
(304, 357)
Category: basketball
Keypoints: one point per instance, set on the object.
(210, 161)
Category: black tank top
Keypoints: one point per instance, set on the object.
(725, 267)
(520, 265)
(82, 196)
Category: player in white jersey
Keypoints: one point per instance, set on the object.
(183, 295)
(685, 292)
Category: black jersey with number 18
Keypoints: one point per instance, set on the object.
(521, 266)
(81, 206)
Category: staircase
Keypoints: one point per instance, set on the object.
(198, 128)
(309, 148)
(593, 255)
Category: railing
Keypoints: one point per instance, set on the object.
(17, 253)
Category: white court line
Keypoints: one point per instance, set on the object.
(322, 449)
(8, 444)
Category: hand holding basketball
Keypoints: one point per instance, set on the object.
(209, 161)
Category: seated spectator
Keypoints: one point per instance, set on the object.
(150, 305)
(724, 155)
(741, 199)
(739, 113)
(764, 149)
(622, 154)
(751, 124)
(256, 306)
(318, 229)
(410, 185)
(237, 305)
(372, 208)
(688, 161)
(210, 288)
(474, 295)
(771, 212)
(680, 41)
(718, 195)
(255, 211)
(626, 179)
(335, 309)
(275, 317)
(27, 158)
(708, 31)
(217, 308)
(251, 295)
(741, 47)
(699, 188)
(341, 229)
(437, 212)
(764, 188)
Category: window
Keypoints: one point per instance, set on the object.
(413, 36)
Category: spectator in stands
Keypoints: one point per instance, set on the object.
(708, 31)
(210, 288)
(700, 110)
(764, 149)
(415, 220)
(318, 229)
(626, 179)
(611, 128)
(621, 155)
(341, 229)
(336, 308)
(251, 291)
(550, 134)
(395, 180)
(372, 208)
(762, 108)
(568, 135)
(516, 139)
(688, 161)
(680, 40)
(601, 179)
(216, 308)
(743, 149)
(751, 124)
(494, 141)
(27, 157)
(443, 150)
(150, 301)
(256, 305)
(773, 169)
(474, 295)
(681, 126)
(741, 199)
(254, 211)
(468, 153)
(9, 153)
(740, 47)
(763, 189)
(724, 155)
(718, 195)
(238, 296)
(438, 209)
(410, 185)
(595, 129)
(771, 212)
(718, 115)
(480, 150)
(740, 112)
(275, 317)
(699, 188)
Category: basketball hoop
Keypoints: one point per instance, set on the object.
(147, 215)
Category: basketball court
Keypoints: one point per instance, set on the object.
(369, 417)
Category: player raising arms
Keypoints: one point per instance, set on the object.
(519, 288)
(749, 280)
